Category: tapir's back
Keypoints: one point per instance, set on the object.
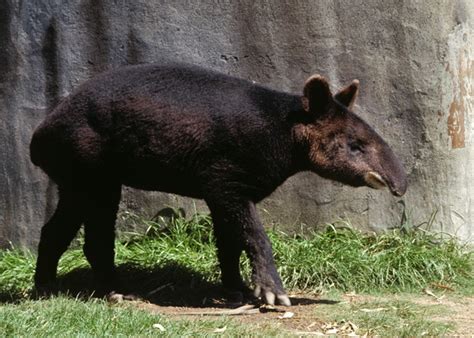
(150, 122)
(178, 84)
(185, 86)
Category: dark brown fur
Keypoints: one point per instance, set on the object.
(194, 132)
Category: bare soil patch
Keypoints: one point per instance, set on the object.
(304, 317)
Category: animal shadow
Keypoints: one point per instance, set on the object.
(168, 285)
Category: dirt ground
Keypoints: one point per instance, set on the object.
(459, 311)
(310, 314)
(302, 319)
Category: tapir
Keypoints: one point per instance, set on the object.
(190, 131)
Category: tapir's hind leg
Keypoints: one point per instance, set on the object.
(229, 249)
(56, 235)
(100, 220)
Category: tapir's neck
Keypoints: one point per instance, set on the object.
(295, 118)
(300, 146)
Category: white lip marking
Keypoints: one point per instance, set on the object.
(374, 180)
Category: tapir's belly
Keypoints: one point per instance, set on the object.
(157, 177)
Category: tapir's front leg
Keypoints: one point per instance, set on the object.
(244, 230)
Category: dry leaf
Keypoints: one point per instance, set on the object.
(159, 327)
(341, 328)
(442, 286)
(430, 293)
(309, 333)
(220, 329)
(374, 310)
(328, 325)
(352, 295)
(331, 331)
(286, 315)
(352, 326)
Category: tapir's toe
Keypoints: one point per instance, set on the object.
(283, 300)
(269, 297)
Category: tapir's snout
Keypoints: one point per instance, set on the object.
(391, 174)
(395, 175)
(397, 187)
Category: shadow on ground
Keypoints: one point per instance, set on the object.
(169, 285)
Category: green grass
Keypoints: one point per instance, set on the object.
(180, 256)
(350, 260)
(344, 259)
(67, 317)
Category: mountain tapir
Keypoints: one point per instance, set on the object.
(186, 130)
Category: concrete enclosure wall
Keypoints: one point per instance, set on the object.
(414, 60)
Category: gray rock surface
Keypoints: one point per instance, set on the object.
(414, 60)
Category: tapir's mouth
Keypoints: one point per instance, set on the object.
(374, 180)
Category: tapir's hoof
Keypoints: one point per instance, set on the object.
(270, 297)
(115, 297)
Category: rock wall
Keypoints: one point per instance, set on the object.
(414, 60)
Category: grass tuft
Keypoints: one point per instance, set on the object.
(340, 258)
(348, 259)
(176, 256)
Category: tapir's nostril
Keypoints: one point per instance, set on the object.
(401, 189)
(398, 193)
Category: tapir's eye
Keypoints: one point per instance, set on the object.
(356, 148)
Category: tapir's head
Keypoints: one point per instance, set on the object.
(340, 145)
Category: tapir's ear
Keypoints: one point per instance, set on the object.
(317, 94)
(348, 95)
